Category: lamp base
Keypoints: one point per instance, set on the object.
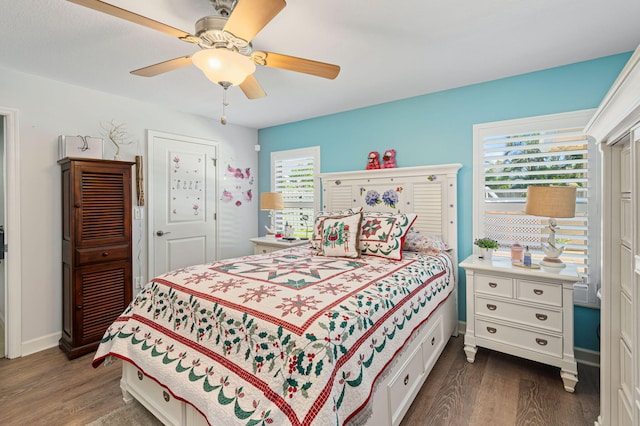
(552, 264)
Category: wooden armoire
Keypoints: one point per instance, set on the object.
(96, 249)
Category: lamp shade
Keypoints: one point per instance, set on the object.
(551, 201)
(271, 201)
(223, 65)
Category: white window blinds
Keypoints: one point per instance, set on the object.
(548, 150)
(294, 174)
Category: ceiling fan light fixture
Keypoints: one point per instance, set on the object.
(223, 65)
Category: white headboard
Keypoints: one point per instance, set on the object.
(428, 191)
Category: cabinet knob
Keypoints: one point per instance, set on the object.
(140, 376)
(433, 341)
(406, 380)
(166, 396)
(491, 307)
(491, 330)
(105, 253)
(493, 285)
(541, 342)
(541, 317)
(538, 291)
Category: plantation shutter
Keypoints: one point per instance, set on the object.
(294, 175)
(511, 161)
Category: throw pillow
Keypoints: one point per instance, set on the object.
(316, 236)
(382, 234)
(340, 236)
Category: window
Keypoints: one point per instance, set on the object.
(294, 173)
(545, 150)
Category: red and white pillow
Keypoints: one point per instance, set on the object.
(341, 236)
(316, 237)
(382, 234)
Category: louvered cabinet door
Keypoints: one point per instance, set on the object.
(102, 294)
(96, 249)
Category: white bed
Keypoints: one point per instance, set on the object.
(430, 192)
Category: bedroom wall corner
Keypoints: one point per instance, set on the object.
(50, 108)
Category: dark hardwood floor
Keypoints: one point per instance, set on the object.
(47, 389)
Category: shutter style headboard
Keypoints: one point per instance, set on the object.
(428, 191)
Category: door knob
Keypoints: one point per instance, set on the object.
(160, 233)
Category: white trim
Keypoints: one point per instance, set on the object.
(40, 344)
(13, 288)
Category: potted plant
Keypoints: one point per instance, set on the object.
(487, 246)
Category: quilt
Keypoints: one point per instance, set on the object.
(283, 338)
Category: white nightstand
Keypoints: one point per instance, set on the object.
(523, 312)
(267, 244)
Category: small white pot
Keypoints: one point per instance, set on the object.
(486, 254)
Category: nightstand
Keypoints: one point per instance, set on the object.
(521, 311)
(267, 244)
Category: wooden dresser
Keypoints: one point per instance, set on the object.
(96, 249)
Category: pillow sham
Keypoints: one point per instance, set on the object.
(316, 236)
(340, 236)
(382, 233)
(424, 244)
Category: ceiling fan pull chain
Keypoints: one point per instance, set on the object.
(223, 118)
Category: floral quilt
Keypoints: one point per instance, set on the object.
(284, 338)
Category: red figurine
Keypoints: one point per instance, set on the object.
(389, 159)
(373, 161)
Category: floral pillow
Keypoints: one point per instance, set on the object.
(382, 233)
(425, 244)
(316, 237)
(340, 236)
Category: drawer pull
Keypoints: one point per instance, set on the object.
(491, 330)
(406, 380)
(541, 342)
(105, 253)
(166, 396)
(493, 285)
(140, 376)
(433, 341)
(538, 291)
(491, 307)
(541, 317)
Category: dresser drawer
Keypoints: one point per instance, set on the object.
(524, 339)
(534, 316)
(102, 254)
(432, 343)
(162, 401)
(548, 294)
(496, 285)
(402, 385)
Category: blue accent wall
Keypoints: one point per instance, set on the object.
(437, 128)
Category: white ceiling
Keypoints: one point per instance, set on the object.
(387, 50)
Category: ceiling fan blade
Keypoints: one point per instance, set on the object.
(292, 63)
(162, 67)
(112, 10)
(252, 88)
(251, 16)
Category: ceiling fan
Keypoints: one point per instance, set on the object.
(226, 56)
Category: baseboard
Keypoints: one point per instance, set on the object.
(587, 357)
(583, 356)
(40, 344)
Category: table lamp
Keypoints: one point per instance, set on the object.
(271, 201)
(552, 202)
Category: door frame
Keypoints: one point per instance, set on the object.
(13, 267)
(150, 195)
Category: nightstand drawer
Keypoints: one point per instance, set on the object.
(534, 316)
(539, 292)
(524, 339)
(494, 285)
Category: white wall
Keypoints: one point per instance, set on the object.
(47, 109)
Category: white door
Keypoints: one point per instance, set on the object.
(182, 201)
